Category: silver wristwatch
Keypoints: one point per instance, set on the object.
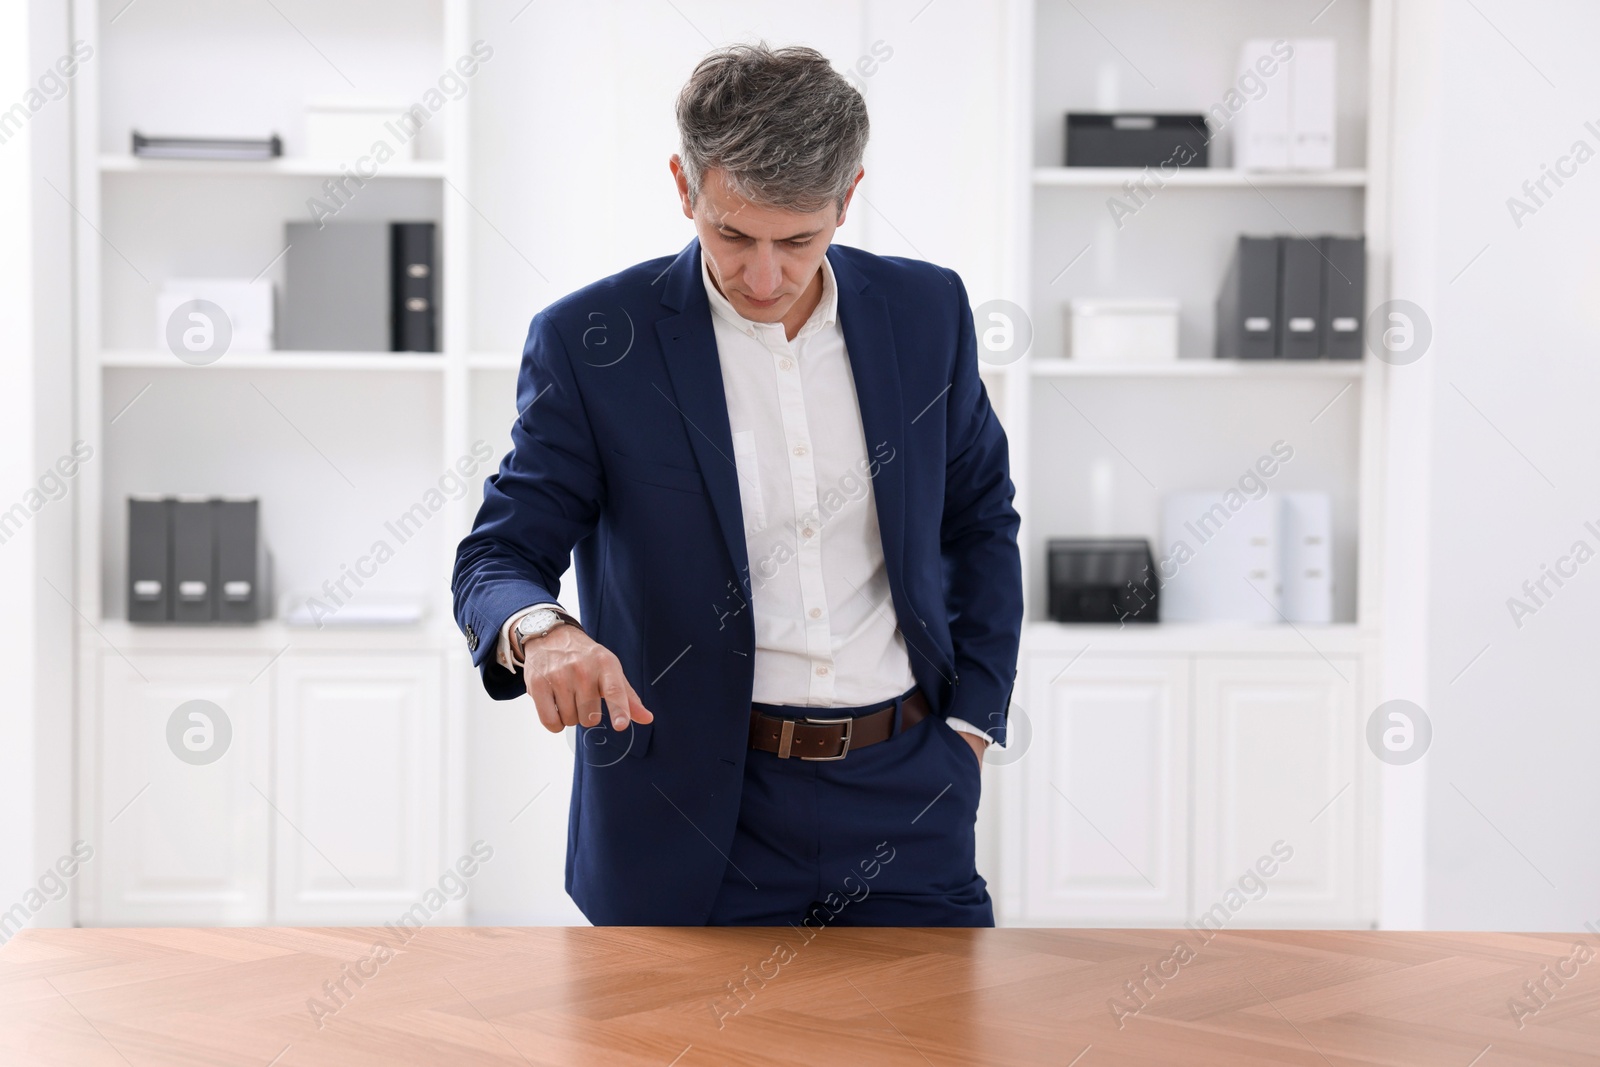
(538, 623)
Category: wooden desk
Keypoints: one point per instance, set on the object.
(859, 997)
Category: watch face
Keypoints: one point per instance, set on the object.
(538, 623)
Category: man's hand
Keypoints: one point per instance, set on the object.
(976, 743)
(568, 673)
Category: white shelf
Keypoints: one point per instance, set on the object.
(157, 359)
(1200, 368)
(1299, 639)
(1197, 177)
(284, 165)
(269, 637)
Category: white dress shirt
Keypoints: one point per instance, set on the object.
(825, 627)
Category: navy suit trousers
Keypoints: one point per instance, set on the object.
(883, 837)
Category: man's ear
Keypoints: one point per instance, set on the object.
(848, 193)
(682, 180)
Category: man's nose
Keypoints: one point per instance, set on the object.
(762, 274)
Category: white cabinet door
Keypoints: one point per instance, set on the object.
(1105, 790)
(360, 747)
(178, 812)
(1276, 747)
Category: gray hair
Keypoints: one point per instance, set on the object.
(787, 128)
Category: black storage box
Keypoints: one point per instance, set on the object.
(1136, 140)
(1096, 580)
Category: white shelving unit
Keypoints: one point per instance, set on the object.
(299, 360)
(1199, 177)
(1196, 368)
(494, 360)
(1195, 638)
(283, 166)
(342, 798)
(1162, 759)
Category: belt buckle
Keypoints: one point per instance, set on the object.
(788, 738)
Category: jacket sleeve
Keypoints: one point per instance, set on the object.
(978, 542)
(544, 499)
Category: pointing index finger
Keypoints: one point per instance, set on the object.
(622, 702)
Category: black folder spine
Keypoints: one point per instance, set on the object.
(1300, 299)
(413, 287)
(1344, 296)
(240, 569)
(149, 560)
(1247, 325)
(193, 562)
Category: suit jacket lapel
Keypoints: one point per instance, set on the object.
(876, 370)
(690, 349)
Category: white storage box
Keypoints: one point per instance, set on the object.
(1122, 331)
(344, 128)
(1291, 126)
(1307, 538)
(1221, 558)
(248, 305)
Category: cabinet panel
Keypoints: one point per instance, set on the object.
(180, 840)
(1276, 747)
(359, 751)
(1105, 790)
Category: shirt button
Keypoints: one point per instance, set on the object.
(786, 364)
(807, 532)
(800, 450)
(822, 670)
(816, 613)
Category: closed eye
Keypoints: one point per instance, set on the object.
(735, 238)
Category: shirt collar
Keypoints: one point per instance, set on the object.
(826, 313)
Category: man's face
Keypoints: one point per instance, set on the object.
(762, 258)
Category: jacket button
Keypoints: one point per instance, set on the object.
(472, 639)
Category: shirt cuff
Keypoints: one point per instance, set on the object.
(965, 727)
(505, 651)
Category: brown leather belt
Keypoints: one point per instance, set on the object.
(819, 737)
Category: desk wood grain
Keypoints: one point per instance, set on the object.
(686, 997)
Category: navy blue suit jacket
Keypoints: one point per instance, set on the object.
(622, 451)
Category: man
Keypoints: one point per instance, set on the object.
(796, 549)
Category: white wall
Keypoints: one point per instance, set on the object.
(35, 428)
(17, 772)
(1504, 404)
(573, 126)
(53, 437)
